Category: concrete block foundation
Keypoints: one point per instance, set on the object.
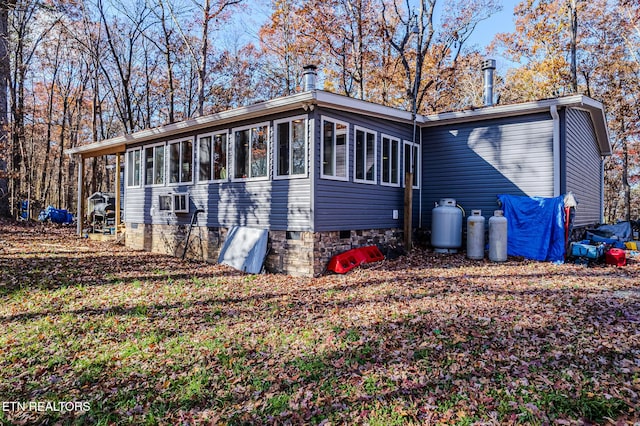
(297, 253)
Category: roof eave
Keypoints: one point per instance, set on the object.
(345, 103)
(595, 108)
(119, 143)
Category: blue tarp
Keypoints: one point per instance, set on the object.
(55, 215)
(535, 227)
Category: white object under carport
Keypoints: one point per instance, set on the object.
(244, 249)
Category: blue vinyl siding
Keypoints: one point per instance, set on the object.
(583, 168)
(474, 162)
(349, 205)
(282, 204)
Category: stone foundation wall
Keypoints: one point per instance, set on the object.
(296, 253)
(328, 244)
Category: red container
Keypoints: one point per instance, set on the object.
(344, 262)
(616, 256)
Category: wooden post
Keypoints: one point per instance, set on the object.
(117, 191)
(408, 211)
(80, 213)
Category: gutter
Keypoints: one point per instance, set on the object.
(556, 150)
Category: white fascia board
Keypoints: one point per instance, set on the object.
(370, 109)
(599, 120)
(256, 110)
(344, 103)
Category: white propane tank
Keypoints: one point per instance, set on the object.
(498, 237)
(475, 235)
(446, 226)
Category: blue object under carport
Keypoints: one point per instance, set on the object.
(535, 227)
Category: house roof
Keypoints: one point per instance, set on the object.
(308, 100)
(593, 107)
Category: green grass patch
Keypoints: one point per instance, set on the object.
(277, 404)
(380, 415)
(592, 407)
(312, 368)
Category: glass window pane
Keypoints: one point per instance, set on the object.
(360, 154)
(187, 161)
(395, 160)
(259, 152)
(386, 158)
(148, 166)
(283, 149)
(371, 160)
(220, 156)
(327, 148)
(204, 155)
(174, 163)
(241, 154)
(341, 150)
(130, 171)
(298, 149)
(159, 165)
(137, 166)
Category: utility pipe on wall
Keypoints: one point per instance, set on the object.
(556, 150)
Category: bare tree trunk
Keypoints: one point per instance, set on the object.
(625, 172)
(65, 106)
(204, 51)
(45, 167)
(4, 116)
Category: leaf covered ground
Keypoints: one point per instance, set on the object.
(422, 339)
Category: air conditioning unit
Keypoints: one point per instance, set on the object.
(175, 203)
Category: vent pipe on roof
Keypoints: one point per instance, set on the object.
(309, 75)
(488, 66)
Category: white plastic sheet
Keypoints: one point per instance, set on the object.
(244, 249)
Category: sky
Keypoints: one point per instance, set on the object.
(246, 27)
(501, 22)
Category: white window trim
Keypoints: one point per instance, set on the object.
(168, 161)
(212, 135)
(232, 144)
(375, 155)
(415, 161)
(128, 171)
(391, 138)
(144, 162)
(276, 176)
(344, 178)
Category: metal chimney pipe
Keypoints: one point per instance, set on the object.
(309, 75)
(488, 66)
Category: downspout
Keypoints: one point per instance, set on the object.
(311, 164)
(420, 183)
(602, 158)
(556, 150)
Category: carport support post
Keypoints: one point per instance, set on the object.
(408, 210)
(117, 191)
(79, 215)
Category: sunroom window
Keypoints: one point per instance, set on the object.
(365, 156)
(154, 165)
(181, 161)
(134, 167)
(291, 147)
(390, 161)
(212, 154)
(335, 155)
(412, 162)
(251, 147)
